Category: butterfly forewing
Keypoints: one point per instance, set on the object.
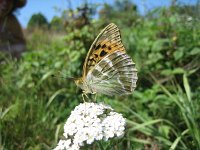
(115, 74)
(107, 68)
(107, 42)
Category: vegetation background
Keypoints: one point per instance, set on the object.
(162, 113)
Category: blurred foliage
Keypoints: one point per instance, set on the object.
(123, 13)
(38, 21)
(56, 24)
(79, 17)
(163, 111)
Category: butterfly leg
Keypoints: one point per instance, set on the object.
(84, 95)
(95, 97)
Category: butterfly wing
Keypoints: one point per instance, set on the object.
(107, 42)
(114, 75)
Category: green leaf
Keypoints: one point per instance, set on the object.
(195, 51)
(174, 145)
(187, 87)
(159, 44)
(173, 19)
(165, 130)
(178, 71)
(178, 54)
(54, 95)
(166, 72)
(173, 72)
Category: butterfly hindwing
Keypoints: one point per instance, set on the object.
(107, 42)
(107, 68)
(115, 74)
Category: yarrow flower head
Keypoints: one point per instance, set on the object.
(89, 122)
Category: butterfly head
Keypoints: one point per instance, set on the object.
(79, 82)
(83, 85)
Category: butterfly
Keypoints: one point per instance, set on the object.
(107, 68)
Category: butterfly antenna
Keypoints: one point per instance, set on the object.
(61, 76)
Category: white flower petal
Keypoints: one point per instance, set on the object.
(89, 122)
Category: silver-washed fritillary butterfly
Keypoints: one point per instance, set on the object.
(107, 68)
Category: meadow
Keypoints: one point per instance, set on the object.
(163, 111)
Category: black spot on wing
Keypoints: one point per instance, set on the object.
(92, 59)
(109, 48)
(98, 46)
(103, 46)
(103, 53)
(91, 62)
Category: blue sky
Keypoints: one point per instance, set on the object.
(50, 8)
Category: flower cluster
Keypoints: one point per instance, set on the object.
(89, 122)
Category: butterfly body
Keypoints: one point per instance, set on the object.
(108, 69)
(80, 82)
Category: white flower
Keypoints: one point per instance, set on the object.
(89, 122)
(63, 144)
(74, 147)
(189, 19)
(113, 125)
